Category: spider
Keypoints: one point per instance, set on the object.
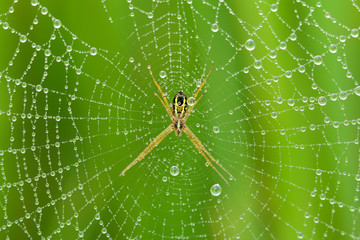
(178, 113)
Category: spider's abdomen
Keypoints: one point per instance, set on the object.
(179, 105)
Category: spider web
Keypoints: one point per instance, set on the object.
(280, 112)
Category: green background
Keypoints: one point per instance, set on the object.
(71, 122)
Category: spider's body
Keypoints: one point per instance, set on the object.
(178, 114)
(179, 107)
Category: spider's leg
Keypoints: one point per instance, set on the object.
(197, 92)
(203, 83)
(191, 108)
(150, 147)
(203, 151)
(165, 101)
(166, 108)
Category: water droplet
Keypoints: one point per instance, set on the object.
(23, 38)
(257, 64)
(333, 48)
(57, 23)
(162, 74)
(274, 115)
(326, 119)
(282, 45)
(293, 36)
(355, 33)
(274, 7)
(343, 95)
(5, 25)
(150, 15)
(300, 235)
(216, 129)
(322, 101)
(93, 51)
(216, 190)
(131, 59)
(272, 54)
(174, 170)
(38, 88)
(318, 60)
(322, 196)
(164, 178)
(342, 38)
(357, 90)
(103, 230)
(191, 101)
(44, 11)
(318, 172)
(357, 177)
(288, 74)
(47, 52)
(334, 96)
(34, 2)
(250, 44)
(215, 27)
(291, 102)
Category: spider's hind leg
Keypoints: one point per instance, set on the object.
(204, 152)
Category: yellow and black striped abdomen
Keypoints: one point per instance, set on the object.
(179, 105)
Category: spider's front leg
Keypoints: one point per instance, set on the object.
(164, 100)
(197, 92)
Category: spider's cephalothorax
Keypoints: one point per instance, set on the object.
(179, 110)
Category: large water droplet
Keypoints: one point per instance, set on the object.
(283, 45)
(357, 90)
(274, 7)
(333, 48)
(250, 44)
(44, 11)
(23, 38)
(47, 52)
(216, 190)
(257, 64)
(293, 36)
(174, 170)
(38, 88)
(355, 33)
(162, 74)
(93, 51)
(191, 101)
(357, 177)
(274, 115)
(57, 23)
(291, 102)
(215, 27)
(318, 60)
(322, 101)
(343, 95)
(34, 2)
